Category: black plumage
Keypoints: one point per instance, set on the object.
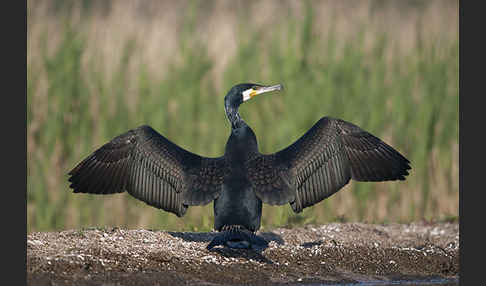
(153, 169)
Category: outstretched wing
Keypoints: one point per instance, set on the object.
(151, 168)
(323, 161)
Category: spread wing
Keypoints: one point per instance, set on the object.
(151, 168)
(323, 161)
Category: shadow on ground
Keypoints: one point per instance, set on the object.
(208, 236)
(247, 254)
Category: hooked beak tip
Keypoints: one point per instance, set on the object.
(277, 87)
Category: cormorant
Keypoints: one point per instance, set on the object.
(153, 169)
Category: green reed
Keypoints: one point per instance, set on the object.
(410, 100)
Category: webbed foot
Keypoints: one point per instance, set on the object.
(238, 237)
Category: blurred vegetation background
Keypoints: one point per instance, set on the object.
(96, 69)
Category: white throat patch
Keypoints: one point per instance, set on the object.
(246, 94)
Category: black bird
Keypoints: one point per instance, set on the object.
(153, 169)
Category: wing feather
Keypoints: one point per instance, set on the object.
(150, 168)
(325, 159)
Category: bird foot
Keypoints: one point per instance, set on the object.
(238, 238)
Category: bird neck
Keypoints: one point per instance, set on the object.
(234, 117)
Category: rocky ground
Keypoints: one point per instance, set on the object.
(336, 253)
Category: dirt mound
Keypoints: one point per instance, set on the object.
(328, 254)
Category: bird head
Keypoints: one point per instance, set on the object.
(241, 93)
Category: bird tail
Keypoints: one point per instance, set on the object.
(237, 236)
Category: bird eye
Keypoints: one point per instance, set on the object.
(255, 87)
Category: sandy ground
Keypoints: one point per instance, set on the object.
(352, 253)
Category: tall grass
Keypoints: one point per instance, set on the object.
(407, 98)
